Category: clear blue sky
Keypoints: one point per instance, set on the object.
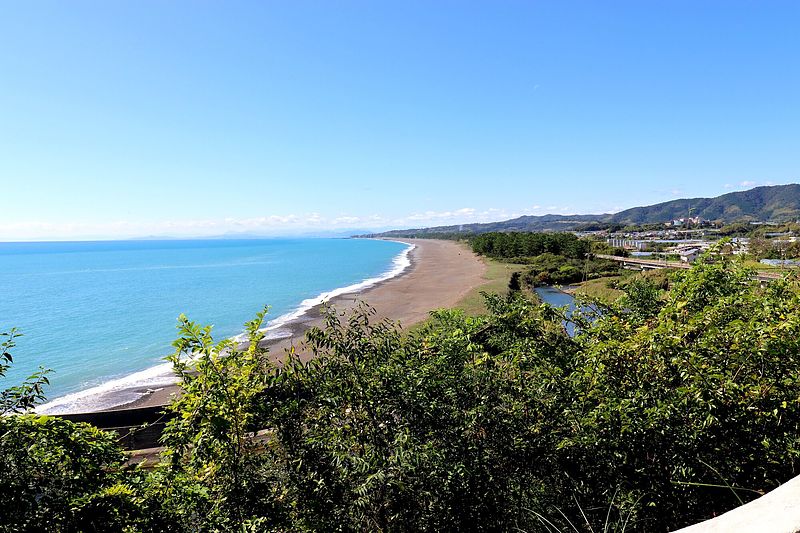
(189, 118)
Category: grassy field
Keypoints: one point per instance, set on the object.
(497, 276)
(600, 288)
(752, 263)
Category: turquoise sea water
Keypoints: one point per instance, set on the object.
(102, 314)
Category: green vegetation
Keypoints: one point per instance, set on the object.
(668, 407)
(761, 230)
(780, 202)
(498, 277)
(736, 229)
(773, 249)
(767, 269)
(517, 247)
(610, 289)
(22, 397)
(550, 269)
(602, 289)
(524, 224)
(552, 258)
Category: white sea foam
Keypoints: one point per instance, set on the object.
(399, 264)
(112, 393)
(124, 390)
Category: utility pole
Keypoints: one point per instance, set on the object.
(783, 257)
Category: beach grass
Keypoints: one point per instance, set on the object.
(601, 289)
(497, 276)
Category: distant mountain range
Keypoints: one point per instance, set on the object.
(778, 203)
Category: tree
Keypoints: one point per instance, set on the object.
(19, 398)
(46, 464)
(674, 404)
(210, 440)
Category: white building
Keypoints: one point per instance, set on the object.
(689, 255)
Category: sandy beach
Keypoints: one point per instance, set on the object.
(441, 274)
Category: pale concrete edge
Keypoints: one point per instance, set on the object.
(776, 512)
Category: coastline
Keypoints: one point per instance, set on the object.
(438, 274)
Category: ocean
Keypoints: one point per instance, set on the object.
(102, 315)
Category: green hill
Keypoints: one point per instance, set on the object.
(778, 203)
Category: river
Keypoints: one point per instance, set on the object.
(558, 298)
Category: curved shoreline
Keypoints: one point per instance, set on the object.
(401, 263)
(126, 390)
(439, 274)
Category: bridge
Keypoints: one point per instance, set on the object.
(654, 264)
(644, 264)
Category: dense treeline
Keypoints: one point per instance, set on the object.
(666, 408)
(518, 245)
(550, 269)
(555, 258)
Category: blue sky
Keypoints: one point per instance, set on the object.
(120, 118)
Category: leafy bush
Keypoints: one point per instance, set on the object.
(551, 269)
(47, 465)
(18, 398)
(689, 402)
(667, 407)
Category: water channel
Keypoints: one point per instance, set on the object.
(558, 298)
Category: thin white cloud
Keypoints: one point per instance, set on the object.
(346, 220)
(749, 184)
(314, 219)
(267, 225)
(464, 212)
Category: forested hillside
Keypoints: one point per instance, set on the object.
(779, 203)
(776, 203)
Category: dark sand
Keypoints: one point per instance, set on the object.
(440, 275)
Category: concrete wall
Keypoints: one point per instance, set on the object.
(775, 512)
(137, 428)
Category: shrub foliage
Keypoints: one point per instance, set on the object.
(667, 407)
